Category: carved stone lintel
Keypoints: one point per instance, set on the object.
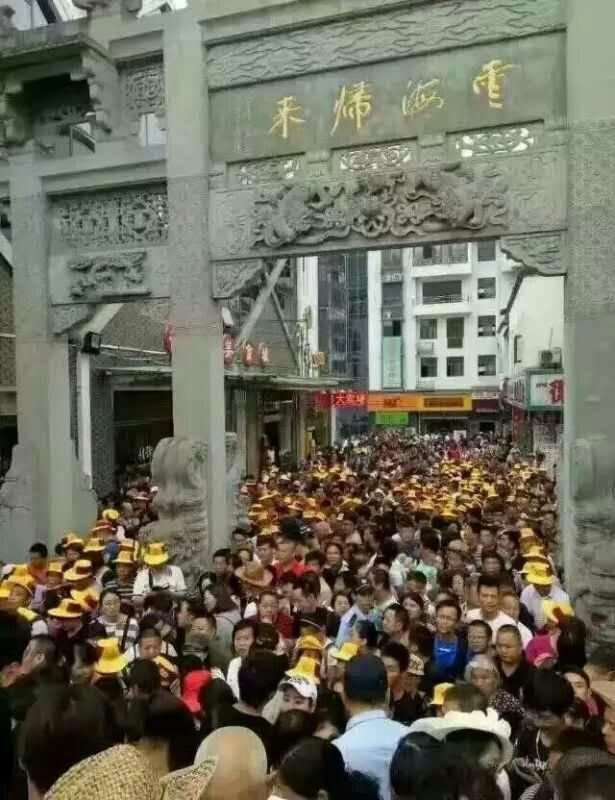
(543, 253)
(178, 470)
(109, 276)
(231, 277)
(143, 88)
(424, 201)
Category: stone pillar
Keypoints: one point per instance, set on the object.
(198, 368)
(46, 494)
(239, 398)
(253, 433)
(589, 464)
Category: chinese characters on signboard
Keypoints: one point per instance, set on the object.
(342, 399)
(546, 390)
(354, 103)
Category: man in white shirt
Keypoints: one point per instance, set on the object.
(541, 586)
(158, 574)
(489, 608)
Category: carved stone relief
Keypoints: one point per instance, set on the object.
(113, 218)
(230, 278)
(143, 88)
(110, 276)
(392, 33)
(178, 470)
(428, 200)
(270, 170)
(499, 141)
(377, 158)
(543, 253)
(237, 506)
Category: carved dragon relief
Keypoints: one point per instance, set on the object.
(427, 200)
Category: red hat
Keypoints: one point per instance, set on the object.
(193, 683)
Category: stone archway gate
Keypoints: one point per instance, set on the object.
(295, 127)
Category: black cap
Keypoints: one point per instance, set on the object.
(290, 529)
(365, 679)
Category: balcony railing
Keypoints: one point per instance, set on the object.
(443, 298)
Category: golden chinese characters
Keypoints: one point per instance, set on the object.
(286, 116)
(491, 80)
(354, 103)
(421, 97)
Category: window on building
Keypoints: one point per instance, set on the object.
(392, 259)
(454, 367)
(429, 368)
(518, 349)
(454, 332)
(150, 132)
(391, 328)
(427, 254)
(486, 250)
(392, 295)
(457, 253)
(428, 329)
(486, 326)
(486, 365)
(441, 292)
(486, 288)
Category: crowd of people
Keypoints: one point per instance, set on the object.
(388, 622)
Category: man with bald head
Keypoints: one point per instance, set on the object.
(241, 768)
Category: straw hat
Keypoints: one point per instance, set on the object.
(125, 557)
(168, 671)
(68, 609)
(111, 514)
(27, 614)
(306, 667)
(55, 568)
(439, 690)
(347, 651)
(72, 541)
(81, 569)
(110, 660)
(156, 554)
(309, 643)
(5, 591)
(87, 599)
(26, 582)
(119, 772)
(555, 611)
(539, 574)
(94, 545)
(254, 574)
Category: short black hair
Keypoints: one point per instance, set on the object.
(430, 540)
(259, 675)
(367, 631)
(381, 578)
(14, 638)
(309, 583)
(512, 629)
(417, 576)
(491, 581)
(365, 680)
(547, 691)
(423, 638)
(492, 553)
(401, 615)
(480, 623)
(290, 529)
(449, 603)
(223, 552)
(316, 555)
(398, 653)
(65, 725)
(144, 675)
(39, 549)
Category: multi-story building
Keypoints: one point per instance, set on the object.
(531, 333)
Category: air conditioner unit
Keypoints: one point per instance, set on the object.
(481, 292)
(481, 330)
(482, 370)
(546, 359)
(557, 356)
(387, 314)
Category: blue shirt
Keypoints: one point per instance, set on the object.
(368, 746)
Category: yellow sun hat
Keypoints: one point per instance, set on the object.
(539, 574)
(439, 690)
(556, 611)
(88, 599)
(94, 545)
(110, 660)
(26, 582)
(306, 667)
(346, 652)
(168, 671)
(309, 643)
(81, 569)
(156, 554)
(125, 557)
(68, 609)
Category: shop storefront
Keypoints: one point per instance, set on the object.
(536, 401)
(424, 413)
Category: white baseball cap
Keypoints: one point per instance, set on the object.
(303, 686)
